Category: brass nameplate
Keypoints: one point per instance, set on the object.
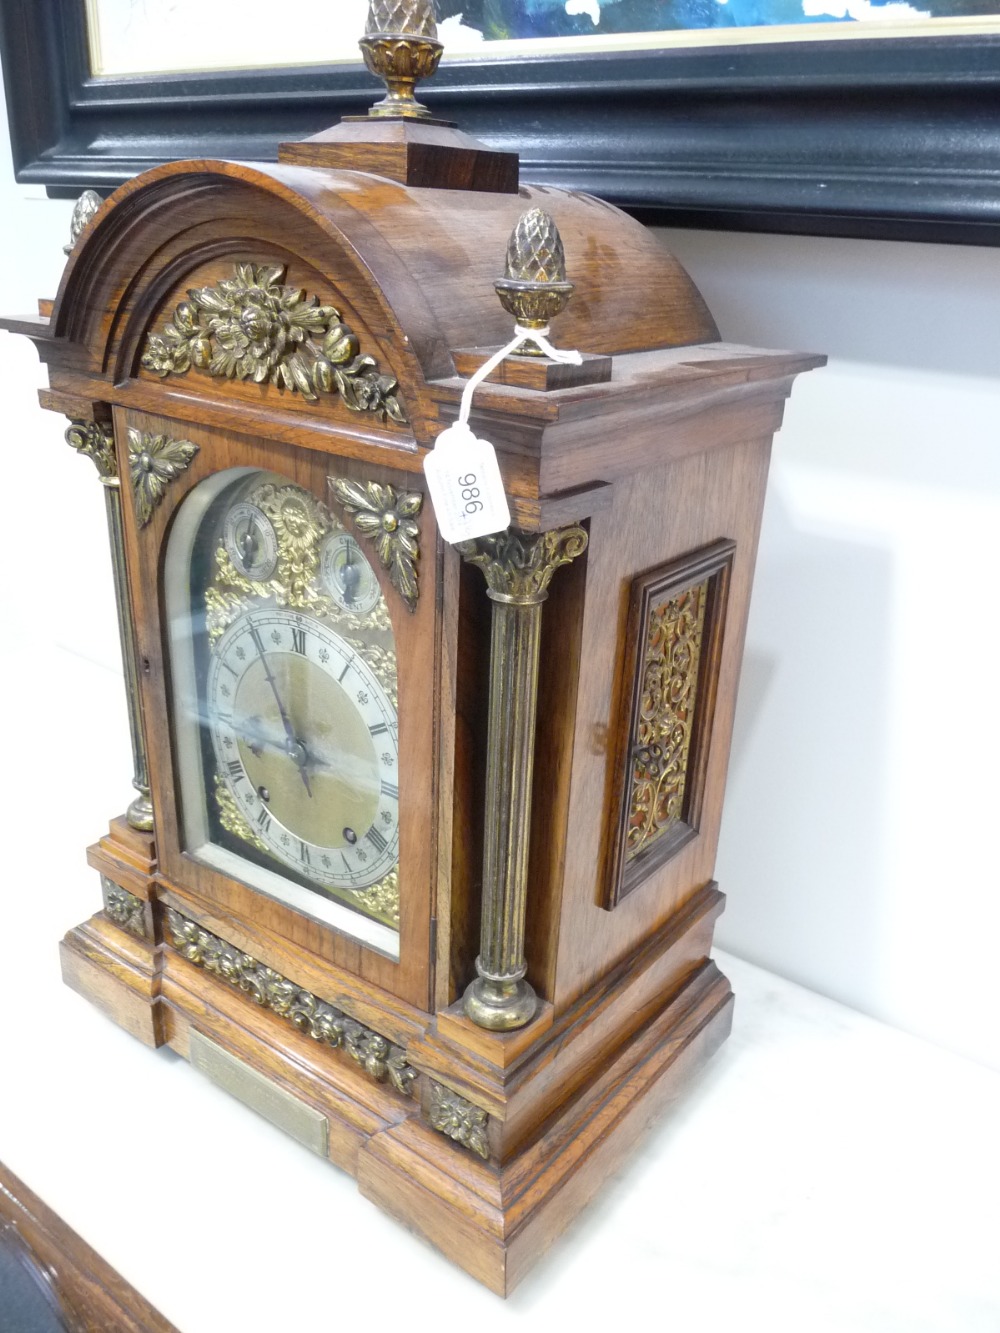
(283, 1109)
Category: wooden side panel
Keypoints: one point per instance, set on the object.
(657, 515)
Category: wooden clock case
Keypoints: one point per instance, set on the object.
(485, 1142)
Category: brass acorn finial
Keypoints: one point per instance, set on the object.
(400, 47)
(534, 287)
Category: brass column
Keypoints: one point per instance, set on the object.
(96, 441)
(518, 568)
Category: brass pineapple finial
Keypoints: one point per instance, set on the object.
(534, 287)
(400, 47)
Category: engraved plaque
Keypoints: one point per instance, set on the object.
(282, 1108)
(668, 682)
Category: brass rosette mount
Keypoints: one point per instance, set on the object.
(401, 48)
(534, 288)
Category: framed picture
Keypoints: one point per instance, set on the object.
(842, 117)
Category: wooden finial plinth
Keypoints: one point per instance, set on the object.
(413, 152)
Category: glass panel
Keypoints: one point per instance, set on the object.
(284, 702)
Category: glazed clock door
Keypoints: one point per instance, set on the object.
(285, 693)
(300, 791)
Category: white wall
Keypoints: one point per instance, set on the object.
(858, 843)
(857, 847)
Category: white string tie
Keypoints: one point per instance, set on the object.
(521, 335)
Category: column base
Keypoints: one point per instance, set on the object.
(500, 1006)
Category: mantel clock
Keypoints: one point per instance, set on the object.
(420, 862)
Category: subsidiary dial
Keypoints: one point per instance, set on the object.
(347, 576)
(251, 542)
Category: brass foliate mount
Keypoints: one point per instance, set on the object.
(401, 48)
(534, 288)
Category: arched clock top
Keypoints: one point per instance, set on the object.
(409, 273)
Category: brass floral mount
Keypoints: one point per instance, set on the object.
(84, 210)
(377, 1056)
(254, 327)
(459, 1120)
(123, 908)
(386, 517)
(401, 48)
(154, 461)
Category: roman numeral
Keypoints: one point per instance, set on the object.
(305, 853)
(376, 839)
(235, 770)
(299, 641)
(347, 666)
(379, 729)
(389, 790)
(347, 865)
(263, 820)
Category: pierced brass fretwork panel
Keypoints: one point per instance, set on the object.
(668, 697)
(669, 674)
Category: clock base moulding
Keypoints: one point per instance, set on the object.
(470, 1154)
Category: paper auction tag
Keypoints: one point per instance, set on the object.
(466, 488)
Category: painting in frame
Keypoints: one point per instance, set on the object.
(819, 116)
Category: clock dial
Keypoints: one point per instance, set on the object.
(305, 741)
(285, 700)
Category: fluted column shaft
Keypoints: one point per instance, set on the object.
(518, 568)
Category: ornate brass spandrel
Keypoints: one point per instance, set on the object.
(380, 900)
(459, 1119)
(668, 698)
(301, 524)
(96, 441)
(123, 908)
(254, 327)
(232, 819)
(84, 210)
(386, 518)
(518, 566)
(534, 288)
(401, 48)
(380, 1059)
(154, 461)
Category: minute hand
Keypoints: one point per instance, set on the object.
(294, 748)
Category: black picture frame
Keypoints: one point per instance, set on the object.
(894, 138)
